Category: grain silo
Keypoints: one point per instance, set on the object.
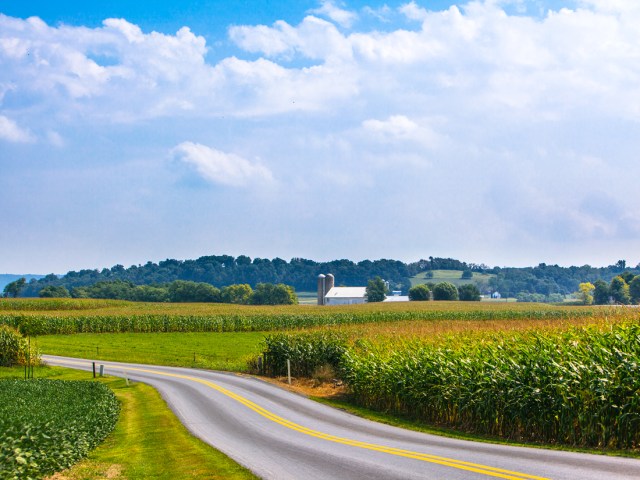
(321, 290)
(329, 282)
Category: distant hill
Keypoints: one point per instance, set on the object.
(7, 278)
(300, 273)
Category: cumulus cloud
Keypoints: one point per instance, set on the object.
(342, 17)
(11, 132)
(520, 114)
(219, 167)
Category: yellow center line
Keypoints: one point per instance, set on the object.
(449, 462)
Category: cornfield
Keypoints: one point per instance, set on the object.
(54, 316)
(579, 386)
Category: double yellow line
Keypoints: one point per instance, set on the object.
(448, 462)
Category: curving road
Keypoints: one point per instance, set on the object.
(281, 435)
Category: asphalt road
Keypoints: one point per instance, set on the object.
(281, 435)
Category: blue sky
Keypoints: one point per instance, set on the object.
(495, 131)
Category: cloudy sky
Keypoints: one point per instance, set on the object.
(498, 131)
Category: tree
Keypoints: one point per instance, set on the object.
(445, 291)
(585, 292)
(270, 294)
(619, 291)
(54, 292)
(627, 277)
(420, 293)
(601, 292)
(238, 294)
(467, 275)
(469, 293)
(376, 290)
(634, 290)
(13, 289)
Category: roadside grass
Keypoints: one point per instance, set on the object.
(217, 351)
(148, 441)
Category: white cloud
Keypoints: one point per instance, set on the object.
(519, 115)
(220, 167)
(342, 17)
(413, 12)
(11, 132)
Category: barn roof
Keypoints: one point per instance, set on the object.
(346, 292)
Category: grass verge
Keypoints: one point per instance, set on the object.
(148, 441)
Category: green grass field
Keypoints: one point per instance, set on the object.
(217, 351)
(148, 441)
(452, 276)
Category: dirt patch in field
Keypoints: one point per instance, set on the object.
(310, 387)
(97, 471)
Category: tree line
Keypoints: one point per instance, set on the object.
(223, 270)
(179, 291)
(623, 289)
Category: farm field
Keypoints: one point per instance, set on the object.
(148, 440)
(216, 351)
(479, 368)
(45, 317)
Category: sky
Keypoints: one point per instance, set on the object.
(504, 132)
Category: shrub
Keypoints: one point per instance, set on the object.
(445, 291)
(420, 293)
(13, 347)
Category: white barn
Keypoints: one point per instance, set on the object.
(345, 295)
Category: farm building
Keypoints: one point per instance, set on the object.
(345, 295)
(329, 294)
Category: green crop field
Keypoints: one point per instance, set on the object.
(48, 425)
(454, 364)
(148, 440)
(46, 317)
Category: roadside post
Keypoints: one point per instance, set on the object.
(289, 371)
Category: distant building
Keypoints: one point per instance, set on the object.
(396, 297)
(329, 294)
(496, 295)
(345, 295)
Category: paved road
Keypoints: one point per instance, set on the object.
(281, 435)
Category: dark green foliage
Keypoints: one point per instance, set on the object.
(376, 290)
(445, 291)
(269, 294)
(469, 293)
(467, 275)
(634, 290)
(224, 270)
(307, 352)
(54, 292)
(48, 425)
(13, 289)
(420, 293)
(182, 291)
(601, 293)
